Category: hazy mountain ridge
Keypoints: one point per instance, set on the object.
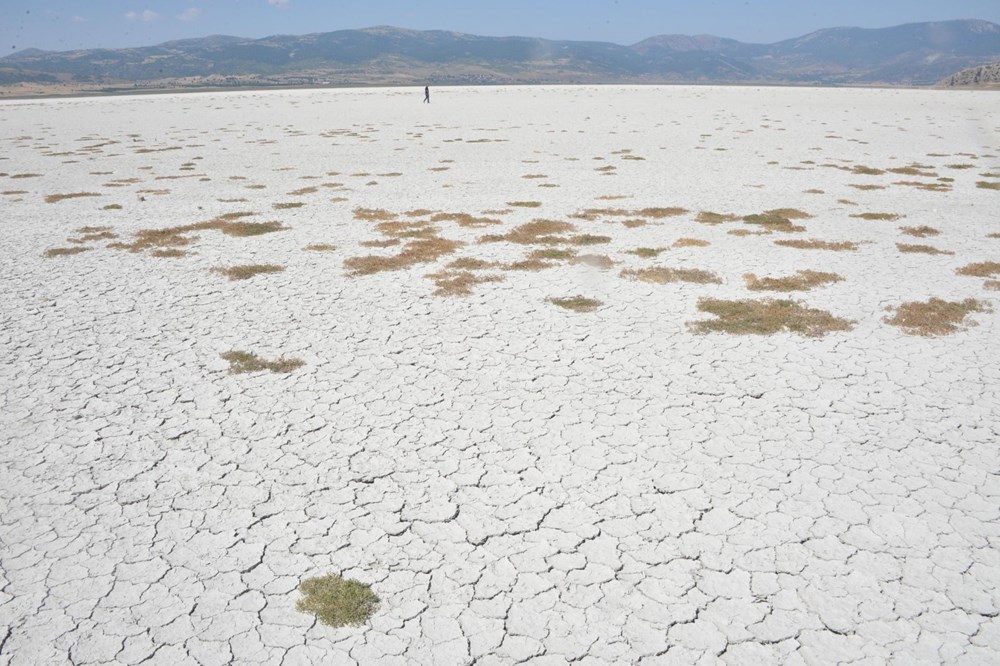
(983, 76)
(918, 53)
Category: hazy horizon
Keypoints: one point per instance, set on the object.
(56, 25)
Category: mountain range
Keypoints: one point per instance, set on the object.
(911, 54)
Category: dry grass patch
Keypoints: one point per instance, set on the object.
(935, 316)
(889, 217)
(419, 212)
(420, 251)
(773, 221)
(983, 269)
(112, 207)
(708, 217)
(748, 232)
(537, 232)
(64, 251)
(812, 244)
(920, 232)
(632, 224)
(992, 285)
(987, 185)
(801, 281)
(390, 242)
(321, 247)
(660, 213)
(867, 188)
(920, 249)
(169, 253)
(459, 283)
(529, 265)
(524, 204)
(691, 242)
(662, 275)
(996, 235)
(243, 362)
(577, 303)
(813, 191)
(337, 602)
(862, 170)
(790, 213)
(589, 239)
(766, 317)
(290, 204)
(466, 220)
(373, 214)
(247, 271)
(26, 175)
(647, 252)
(930, 187)
(553, 253)
(53, 198)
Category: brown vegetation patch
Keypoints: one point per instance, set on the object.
(390, 242)
(987, 185)
(868, 188)
(420, 251)
(112, 207)
(539, 231)
(419, 212)
(63, 251)
(577, 303)
(890, 217)
(459, 283)
(169, 253)
(321, 247)
(914, 170)
(10, 193)
(772, 221)
(632, 224)
(524, 204)
(789, 213)
(465, 220)
(691, 242)
(766, 317)
(534, 176)
(247, 271)
(814, 191)
(708, 217)
(178, 236)
(920, 232)
(647, 252)
(290, 204)
(935, 316)
(553, 253)
(529, 265)
(862, 170)
(373, 214)
(589, 239)
(242, 362)
(660, 213)
(662, 275)
(920, 249)
(470, 264)
(26, 175)
(801, 281)
(748, 232)
(930, 187)
(983, 269)
(992, 285)
(812, 244)
(53, 198)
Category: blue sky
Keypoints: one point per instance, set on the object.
(73, 24)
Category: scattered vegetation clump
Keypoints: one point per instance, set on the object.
(524, 204)
(935, 316)
(112, 207)
(920, 249)
(247, 271)
(766, 317)
(708, 217)
(53, 198)
(169, 253)
(662, 275)
(179, 236)
(862, 170)
(634, 223)
(26, 175)
(983, 269)
(659, 213)
(290, 204)
(748, 232)
(64, 251)
(920, 232)
(373, 214)
(801, 281)
(992, 285)
(465, 220)
(418, 212)
(868, 188)
(987, 185)
(877, 216)
(601, 261)
(930, 187)
(577, 303)
(243, 362)
(304, 190)
(789, 213)
(419, 251)
(773, 222)
(389, 242)
(459, 282)
(914, 170)
(691, 242)
(647, 252)
(321, 247)
(529, 265)
(537, 232)
(470, 264)
(812, 244)
(553, 253)
(337, 602)
(589, 239)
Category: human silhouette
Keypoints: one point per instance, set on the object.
(427, 94)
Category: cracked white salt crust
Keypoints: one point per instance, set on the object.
(517, 482)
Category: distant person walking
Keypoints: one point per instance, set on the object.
(427, 94)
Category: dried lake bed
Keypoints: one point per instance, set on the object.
(565, 374)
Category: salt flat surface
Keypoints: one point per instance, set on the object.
(517, 481)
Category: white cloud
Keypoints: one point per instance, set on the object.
(148, 16)
(190, 14)
(278, 3)
(79, 19)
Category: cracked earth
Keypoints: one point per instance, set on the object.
(519, 483)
